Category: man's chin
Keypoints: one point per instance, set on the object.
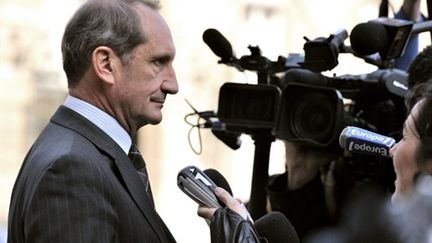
(155, 120)
(150, 121)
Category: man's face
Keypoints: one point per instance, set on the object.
(149, 76)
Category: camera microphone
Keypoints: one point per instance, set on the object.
(218, 44)
(368, 38)
(221, 47)
(362, 141)
(387, 36)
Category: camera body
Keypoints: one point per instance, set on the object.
(314, 115)
(311, 109)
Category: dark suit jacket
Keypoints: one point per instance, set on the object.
(77, 185)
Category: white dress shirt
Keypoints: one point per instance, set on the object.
(101, 119)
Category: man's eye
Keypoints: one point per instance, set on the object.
(161, 61)
(157, 63)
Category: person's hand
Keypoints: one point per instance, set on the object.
(234, 204)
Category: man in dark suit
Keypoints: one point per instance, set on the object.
(77, 183)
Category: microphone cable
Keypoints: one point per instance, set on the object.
(202, 121)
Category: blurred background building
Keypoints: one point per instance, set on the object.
(32, 85)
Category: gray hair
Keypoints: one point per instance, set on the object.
(112, 23)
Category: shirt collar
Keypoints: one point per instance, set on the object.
(101, 119)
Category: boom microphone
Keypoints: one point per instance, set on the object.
(275, 227)
(358, 140)
(218, 44)
(368, 38)
(221, 47)
(387, 36)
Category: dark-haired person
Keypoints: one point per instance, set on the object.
(77, 182)
(412, 155)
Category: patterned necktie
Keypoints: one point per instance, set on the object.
(140, 166)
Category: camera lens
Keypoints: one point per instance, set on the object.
(313, 117)
(256, 107)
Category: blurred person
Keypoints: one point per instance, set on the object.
(77, 182)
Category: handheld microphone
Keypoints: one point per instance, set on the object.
(221, 47)
(362, 141)
(218, 179)
(275, 228)
(198, 186)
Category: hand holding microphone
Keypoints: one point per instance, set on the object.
(202, 189)
(271, 228)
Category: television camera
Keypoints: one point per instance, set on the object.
(293, 101)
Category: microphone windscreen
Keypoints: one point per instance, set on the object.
(218, 179)
(275, 227)
(343, 137)
(368, 38)
(218, 44)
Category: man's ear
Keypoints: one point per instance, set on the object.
(105, 63)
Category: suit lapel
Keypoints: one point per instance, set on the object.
(72, 120)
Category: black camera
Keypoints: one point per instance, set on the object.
(311, 109)
(248, 106)
(310, 115)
